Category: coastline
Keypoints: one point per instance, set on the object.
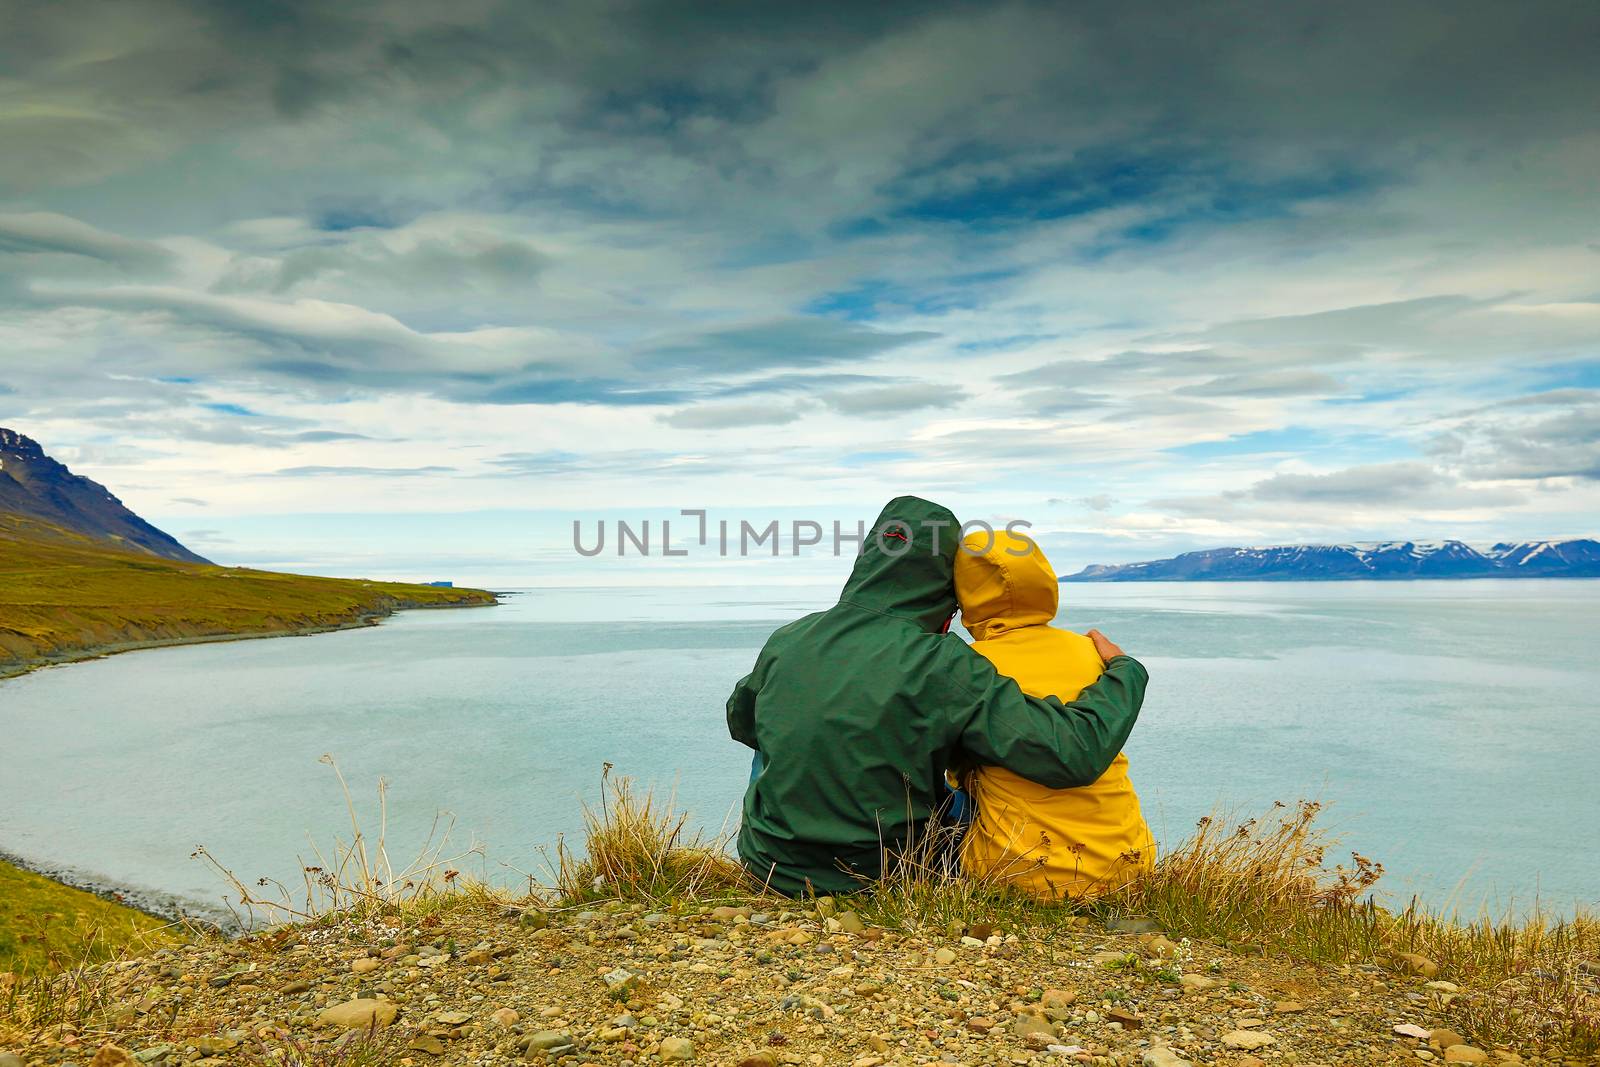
(168, 907)
(366, 617)
(155, 903)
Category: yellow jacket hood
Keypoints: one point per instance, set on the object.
(1003, 582)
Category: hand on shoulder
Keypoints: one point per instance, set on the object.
(1104, 645)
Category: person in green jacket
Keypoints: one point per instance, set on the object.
(857, 711)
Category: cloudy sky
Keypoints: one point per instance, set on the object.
(372, 288)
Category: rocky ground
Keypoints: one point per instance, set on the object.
(486, 984)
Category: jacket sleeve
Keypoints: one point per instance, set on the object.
(742, 711)
(1059, 745)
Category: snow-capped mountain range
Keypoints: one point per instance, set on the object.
(1573, 558)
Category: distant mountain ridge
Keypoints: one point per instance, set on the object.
(1391, 560)
(35, 486)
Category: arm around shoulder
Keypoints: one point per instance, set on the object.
(1058, 744)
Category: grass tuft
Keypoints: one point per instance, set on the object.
(353, 878)
(638, 848)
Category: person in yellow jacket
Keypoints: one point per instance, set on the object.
(1051, 843)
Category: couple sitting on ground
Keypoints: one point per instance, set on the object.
(861, 714)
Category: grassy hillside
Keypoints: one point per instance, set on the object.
(64, 596)
(46, 926)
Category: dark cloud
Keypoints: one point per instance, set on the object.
(317, 437)
(37, 234)
(894, 399)
(1381, 483)
(466, 262)
(794, 342)
(1521, 440)
(731, 416)
(358, 472)
(1278, 383)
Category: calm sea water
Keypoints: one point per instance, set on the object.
(1452, 727)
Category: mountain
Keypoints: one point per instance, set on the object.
(1577, 558)
(35, 486)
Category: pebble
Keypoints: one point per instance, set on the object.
(550, 1039)
(1248, 1040)
(360, 1014)
(676, 1049)
(1465, 1054)
(733, 986)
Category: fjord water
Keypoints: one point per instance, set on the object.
(1452, 726)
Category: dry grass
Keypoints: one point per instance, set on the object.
(638, 848)
(354, 878)
(68, 1000)
(1261, 884)
(1263, 881)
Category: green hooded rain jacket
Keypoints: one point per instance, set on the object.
(858, 710)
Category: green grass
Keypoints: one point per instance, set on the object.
(46, 926)
(64, 596)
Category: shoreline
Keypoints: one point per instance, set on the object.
(370, 617)
(156, 903)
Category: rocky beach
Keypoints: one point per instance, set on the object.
(770, 982)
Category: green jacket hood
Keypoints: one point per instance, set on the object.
(907, 564)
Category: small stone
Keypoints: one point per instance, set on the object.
(1424, 1055)
(505, 1018)
(1288, 1007)
(1126, 1018)
(1412, 1030)
(1160, 947)
(759, 1059)
(365, 965)
(112, 1056)
(454, 1018)
(620, 980)
(1161, 1056)
(1057, 1003)
(677, 1049)
(359, 1014)
(1248, 1040)
(427, 1043)
(1443, 987)
(945, 957)
(851, 923)
(1465, 1054)
(1196, 983)
(535, 920)
(980, 1024)
(1443, 1039)
(11, 1059)
(1024, 1025)
(546, 1040)
(1418, 964)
